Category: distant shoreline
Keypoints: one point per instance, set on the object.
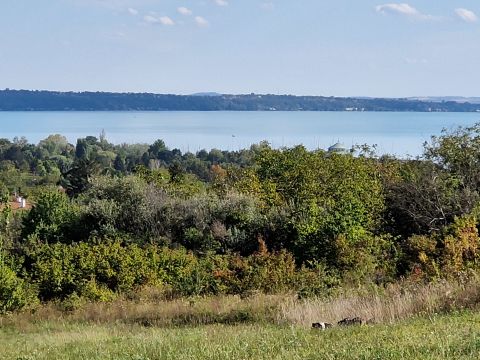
(28, 100)
(237, 111)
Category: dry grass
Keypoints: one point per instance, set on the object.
(192, 312)
(423, 338)
(163, 313)
(398, 302)
(152, 327)
(384, 306)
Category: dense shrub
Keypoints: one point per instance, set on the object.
(144, 212)
(4, 194)
(15, 293)
(136, 218)
(328, 199)
(91, 270)
(100, 271)
(53, 218)
(445, 253)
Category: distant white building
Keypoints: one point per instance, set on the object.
(338, 148)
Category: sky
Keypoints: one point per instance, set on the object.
(300, 47)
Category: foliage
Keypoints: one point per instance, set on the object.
(100, 271)
(425, 198)
(427, 194)
(53, 218)
(4, 194)
(447, 252)
(144, 215)
(15, 293)
(330, 197)
(77, 179)
(27, 100)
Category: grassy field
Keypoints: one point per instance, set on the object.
(455, 336)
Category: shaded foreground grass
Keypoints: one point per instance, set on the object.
(454, 336)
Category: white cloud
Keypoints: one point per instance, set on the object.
(466, 15)
(403, 9)
(184, 11)
(221, 2)
(150, 19)
(201, 21)
(132, 11)
(164, 20)
(267, 5)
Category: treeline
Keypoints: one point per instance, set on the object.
(26, 100)
(109, 219)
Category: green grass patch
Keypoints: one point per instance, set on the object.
(455, 336)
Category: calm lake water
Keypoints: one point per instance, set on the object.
(396, 133)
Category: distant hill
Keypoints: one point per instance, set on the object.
(27, 100)
(207, 94)
(459, 99)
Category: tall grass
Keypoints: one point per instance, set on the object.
(150, 327)
(397, 302)
(194, 311)
(422, 338)
(148, 308)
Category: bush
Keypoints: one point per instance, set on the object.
(53, 218)
(445, 253)
(4, 193)
(15, 293)
(92, 270)
(99, 272)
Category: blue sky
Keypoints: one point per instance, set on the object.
(303, 47)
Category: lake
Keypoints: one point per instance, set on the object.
(400, 133)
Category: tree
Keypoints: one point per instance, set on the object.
(336, 202)
(177, 173)
(4, 194)
(458, 152)
(119, 163)
(52, 218)
(76, 179)
(157, 148)
(427, 194)
(82, 150)
(55, 144)
(424, 198)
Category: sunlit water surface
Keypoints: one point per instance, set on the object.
(400, 133)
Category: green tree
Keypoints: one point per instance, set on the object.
(177, 172)
(119, 163)
(427, 194)
(15, 293)
(76, 179)
(336, 201)
(52, 219)
(157, 148)
(4, 194)
(55, 144)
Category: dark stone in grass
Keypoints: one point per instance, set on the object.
(321, 325)
(352, 321)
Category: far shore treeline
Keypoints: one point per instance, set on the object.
(104, 220)
(27, 100)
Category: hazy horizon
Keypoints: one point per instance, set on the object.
(214, 93)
